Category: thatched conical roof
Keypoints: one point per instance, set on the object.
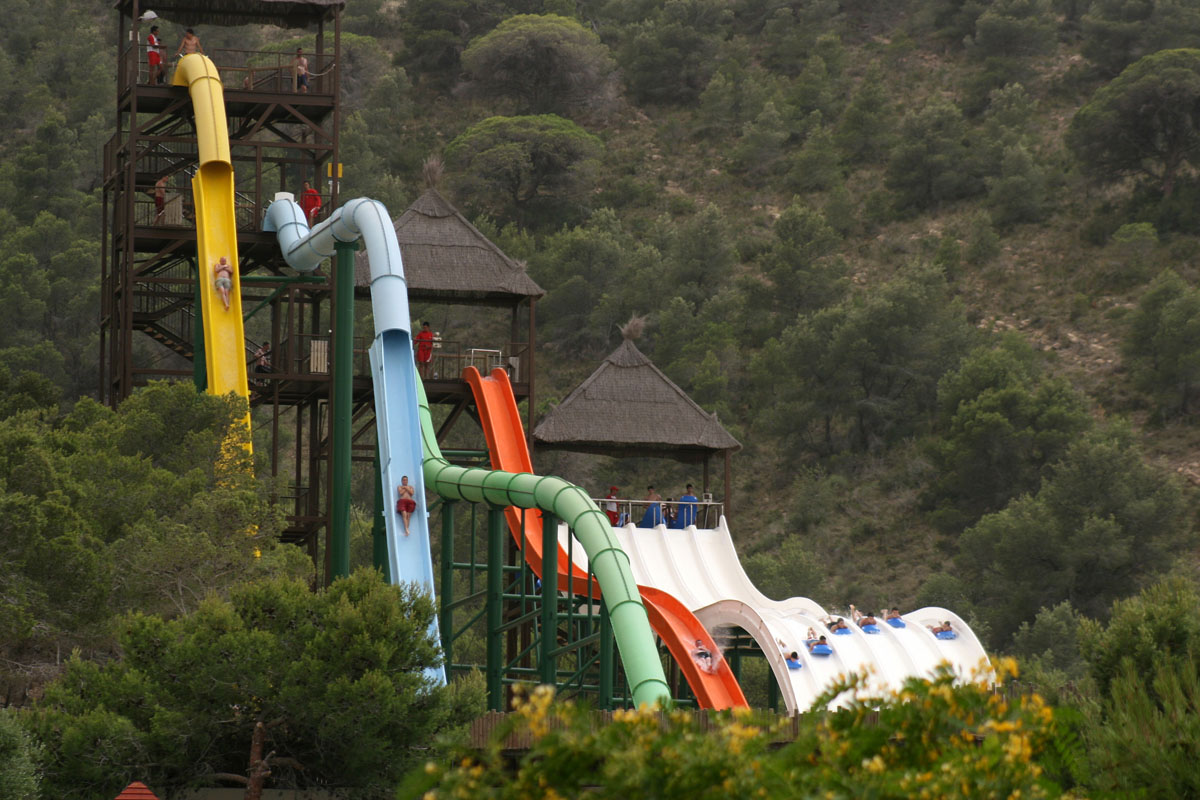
(629, 407)
(447, 258)
(283, 13)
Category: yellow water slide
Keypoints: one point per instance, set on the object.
(216, 227)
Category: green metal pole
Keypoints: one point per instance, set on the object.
(607, 661)
(446, 623)
(772, 691)
(549, 598)
(379, 552)
(495, 607)
(343, 385)
(199, 367)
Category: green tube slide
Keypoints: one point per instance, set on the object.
(570, 503)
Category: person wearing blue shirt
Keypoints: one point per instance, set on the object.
(687, 508)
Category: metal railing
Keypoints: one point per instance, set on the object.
(450, 358)
(673, 514)
(248, 70)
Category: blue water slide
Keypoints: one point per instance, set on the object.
(393, 369)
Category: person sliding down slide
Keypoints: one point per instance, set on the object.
(407, 504)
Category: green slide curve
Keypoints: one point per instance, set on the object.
(570, 503)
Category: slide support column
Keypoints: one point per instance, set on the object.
(199, 368)
(343, 386)
(495, 607)
(379, 552)
(607, 665)
(546, 661)
(446, 622)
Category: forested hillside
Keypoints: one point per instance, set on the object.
(933, 262)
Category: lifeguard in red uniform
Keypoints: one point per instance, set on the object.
(424, 341)
(310, 202)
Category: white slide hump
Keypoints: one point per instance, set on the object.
(702, 569)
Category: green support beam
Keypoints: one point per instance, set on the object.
(379, 550)
(199, 367)
(343, 385)
(497, 529)
(608, 665)
(546, 659)
(446, 590)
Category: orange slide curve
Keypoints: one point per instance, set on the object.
(671, 620)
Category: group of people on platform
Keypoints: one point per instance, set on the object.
(156, 59)
(671, 513)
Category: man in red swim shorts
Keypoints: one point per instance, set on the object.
(154, 56)
(406, 505)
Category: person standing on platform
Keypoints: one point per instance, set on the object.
(310, 203)
(687, 507)
(154, 56)
(610, 508)
(424, 341)
(300, 68)
(653, 514)
(190, 44)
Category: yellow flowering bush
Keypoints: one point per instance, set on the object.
(938, 738)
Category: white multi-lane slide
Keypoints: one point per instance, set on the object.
(700, 567)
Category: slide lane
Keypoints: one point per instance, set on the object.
(701, 568)
(671, 620)
(216, 227)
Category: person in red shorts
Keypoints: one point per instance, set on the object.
(610, 508)
(407, 503)
(424, 341)
(310, 202)
(154, 55)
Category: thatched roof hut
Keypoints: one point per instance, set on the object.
(282, 13)
(447, 259)
(628, 407)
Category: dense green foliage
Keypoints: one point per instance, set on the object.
(20, 772)
(933, 263)
(108, 511)
(546, 63)
(1145, 122)
(919, 742)
(335, 678)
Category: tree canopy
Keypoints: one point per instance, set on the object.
(546, 63)
(325, 688)
(1146, 122)
(514, 166)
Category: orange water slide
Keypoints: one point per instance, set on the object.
(671, 620)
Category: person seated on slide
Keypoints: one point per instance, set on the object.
(867, 619)
(894, 613)
(406, 504)
(223, 280)
(704, 658)
(838, 625)
(813, 643)
(943, 628)
(793, 660)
